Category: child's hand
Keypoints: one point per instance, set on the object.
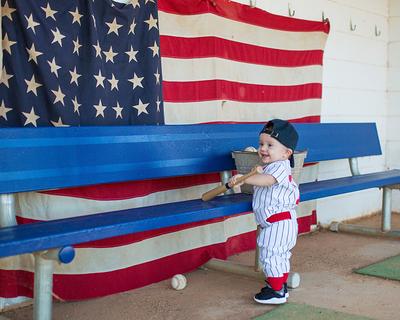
(232, 181)
(260, 169)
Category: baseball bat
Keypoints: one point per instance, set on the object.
(222, 188)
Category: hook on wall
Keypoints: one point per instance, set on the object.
(291, 12)
(323, 17)
(352, 27)
(377, 32)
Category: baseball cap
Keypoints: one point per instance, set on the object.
(284, 132)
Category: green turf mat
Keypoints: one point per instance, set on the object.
(294, 311)
(388, 269)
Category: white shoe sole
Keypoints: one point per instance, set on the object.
(271, 301)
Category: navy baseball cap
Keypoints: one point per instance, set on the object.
(284, 132)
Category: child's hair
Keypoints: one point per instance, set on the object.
(284, 132)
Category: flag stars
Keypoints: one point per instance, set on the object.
(31, 117)
(113, 26)
(59, 123)
(77, 45)
(7, 43)
(155, 48)
(152, 22)
(118, 111)
(6, 11)
(33, 54)
(132, 27)
(4, 110)
(100, 79)
(59, 96)
(141, 107)
(132, 54)
(100, 109)
(49, 12)
(114, 82)
(136, 81)
(74, 76)
(94, 21)
(157, 75)
(98, 49)
(31, 23)
(110, 54)
(53, 66)
(57, 37)
(135, 3)
(76, 105)
(32, 85)
(158, 102)
(5, 77)
(76, 16)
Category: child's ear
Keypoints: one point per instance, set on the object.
(289, 152)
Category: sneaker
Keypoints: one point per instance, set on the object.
(269, 296)
(285, 288)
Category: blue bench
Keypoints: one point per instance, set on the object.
(49, 158)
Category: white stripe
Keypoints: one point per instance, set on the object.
(225, 110)
(207, 24)
(48, 207)
(223, 69)
(95, 260)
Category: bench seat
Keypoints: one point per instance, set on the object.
(58, 233)
(332, 187)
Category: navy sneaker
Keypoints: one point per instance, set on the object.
(269, 296)
(285, 288)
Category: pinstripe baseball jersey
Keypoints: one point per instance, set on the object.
(280, 197)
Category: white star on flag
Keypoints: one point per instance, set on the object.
(141, 107)
(31, 117)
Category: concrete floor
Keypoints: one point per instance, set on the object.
(324, 259)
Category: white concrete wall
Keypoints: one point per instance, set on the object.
(355, 84)
(393, 123)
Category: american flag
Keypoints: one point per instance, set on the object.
(79, 63)
(221, 62)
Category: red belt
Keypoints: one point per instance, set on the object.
(279, 217)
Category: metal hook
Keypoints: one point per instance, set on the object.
(323, 17)
(377, 32)
(352, 27)
(291, 12)
(253, 3)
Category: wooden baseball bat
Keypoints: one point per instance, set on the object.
(222, 188)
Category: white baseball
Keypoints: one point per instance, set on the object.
(293, 280)
(250, 149)
(178, 282)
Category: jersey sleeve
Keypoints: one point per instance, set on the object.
(277, 170)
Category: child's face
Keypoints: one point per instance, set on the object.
(271, 150)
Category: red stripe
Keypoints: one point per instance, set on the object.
(205, 47)
(132, 189)
(309, 119)
(194, 91)
(242, 13)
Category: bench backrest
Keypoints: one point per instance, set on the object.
(47, 158)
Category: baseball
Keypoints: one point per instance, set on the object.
(250, 149)
(293, 280)
(178, 282)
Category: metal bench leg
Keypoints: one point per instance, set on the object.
(386, 209)
(43, 287)
(43, 283)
